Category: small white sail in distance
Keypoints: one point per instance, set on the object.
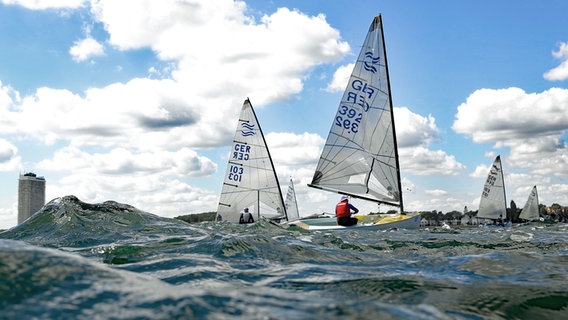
(530, 210)
(291, 204)
(492, 203)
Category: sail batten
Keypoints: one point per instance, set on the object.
(360, 156)
(250, 180)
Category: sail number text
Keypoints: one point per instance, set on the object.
(235, 173)
(348, 118)
(490, 182)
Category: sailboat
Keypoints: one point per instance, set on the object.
(493, 204)
(360, 157)
(291, 204)
(530, 211)
(250, 180)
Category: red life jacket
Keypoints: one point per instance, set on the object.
(342, 210)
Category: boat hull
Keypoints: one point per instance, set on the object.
(365, 222)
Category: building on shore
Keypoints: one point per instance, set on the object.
(31, 195)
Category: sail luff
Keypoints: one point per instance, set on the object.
(392, 118)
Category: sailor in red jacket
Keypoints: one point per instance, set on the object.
(343, 212)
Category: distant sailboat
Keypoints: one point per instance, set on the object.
(530, 211)
(493, 204)
(360, 156)
(291, 204)
(250, 181)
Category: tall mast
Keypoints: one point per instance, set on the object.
(380, 21)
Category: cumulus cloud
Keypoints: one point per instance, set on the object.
(532, 125)
(227, 42)
(137, 178)
(424, 162)
(123, 162)
(340, 78)
(148, 113)
(415, 134)
(490, 115)
(561, 72)
(481, 170)
(295, 149)
(413, 129)
(85, 49)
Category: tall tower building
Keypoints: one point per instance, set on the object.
(31, 195)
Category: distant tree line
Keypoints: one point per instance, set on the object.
(198, 217)
(555, 212)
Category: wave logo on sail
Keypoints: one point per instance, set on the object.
(370, 61)
(495, 170)
(247, 129)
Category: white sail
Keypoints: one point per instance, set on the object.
(360, 156)
(291, 204)
(493, 203)
(530, 210)
(250, 181)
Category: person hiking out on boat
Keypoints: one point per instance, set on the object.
(343, 212)
(246, 217)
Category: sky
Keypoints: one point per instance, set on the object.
(136, 101)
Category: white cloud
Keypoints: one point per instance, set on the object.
(481, 171)
(85, 49)
(532, 125)
(295, 149)
(227, 42)
(425, 162)
(490, 115)
(415, 134)
(46, 4)
(436, 192)
(9, 160)
(413, 129)
(8, 96)
(134, 178)
(195, 107)
(561, 72)
(340, 78)
(123, 162)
